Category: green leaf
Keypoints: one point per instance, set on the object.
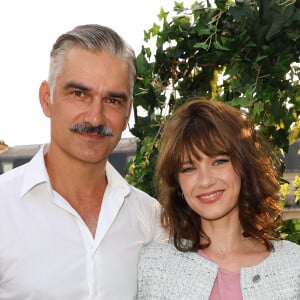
(201, 46)
(239, 102)
(218, 46)
(203, 31)
(155, 29)
(221, 4)
(260, 58)
(162, 14)
(258, 108)
(275, 29)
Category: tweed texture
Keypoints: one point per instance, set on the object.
(166, 273)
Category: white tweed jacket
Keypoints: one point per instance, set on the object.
(166, 273)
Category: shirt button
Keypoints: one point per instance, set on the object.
(256, 278)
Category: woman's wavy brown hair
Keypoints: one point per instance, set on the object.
(216, 128)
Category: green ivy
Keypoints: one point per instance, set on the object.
(252, 44)
(291, 230)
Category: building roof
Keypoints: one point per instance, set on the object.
(27, 151)
(24, 151)
(3, 147)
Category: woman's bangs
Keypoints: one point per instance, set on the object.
(207, 141)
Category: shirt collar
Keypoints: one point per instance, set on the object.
(116, 181)
(35, 172)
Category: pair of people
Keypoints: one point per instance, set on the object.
(72, 228)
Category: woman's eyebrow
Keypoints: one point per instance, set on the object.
(186, 162)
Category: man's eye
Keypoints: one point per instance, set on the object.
(78, 93)
(114, 101)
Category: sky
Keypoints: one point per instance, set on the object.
(28, 29)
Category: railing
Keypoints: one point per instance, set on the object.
(291, 213)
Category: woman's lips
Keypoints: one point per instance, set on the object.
(210, 197)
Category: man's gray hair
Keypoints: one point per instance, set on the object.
(95, 38)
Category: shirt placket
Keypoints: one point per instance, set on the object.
(91, 248)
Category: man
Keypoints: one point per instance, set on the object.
(70, 225)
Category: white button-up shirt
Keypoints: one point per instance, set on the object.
(47, 251)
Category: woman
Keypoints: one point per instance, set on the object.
(217, 179)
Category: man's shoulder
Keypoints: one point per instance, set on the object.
(143, 202)
(11, 183)
(141, 195)
(12, 176)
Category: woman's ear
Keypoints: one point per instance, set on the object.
(45, 98)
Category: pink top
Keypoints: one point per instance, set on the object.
(226, 286)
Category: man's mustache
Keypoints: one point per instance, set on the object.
(86, 128)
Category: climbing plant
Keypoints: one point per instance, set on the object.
(244, 53)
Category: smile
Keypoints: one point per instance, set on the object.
(210, 197)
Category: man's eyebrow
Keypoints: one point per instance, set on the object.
(118, 95)
(80, 86)
(76, 85)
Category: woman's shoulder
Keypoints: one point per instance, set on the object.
(159, 248)
(287, 249)
(285, 256)
(166, 273)
(285, 245)
(166, 246)
(277, 277)
(165, 252)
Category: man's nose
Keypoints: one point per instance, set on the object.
(95, 113)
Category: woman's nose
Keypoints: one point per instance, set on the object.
(206, 178)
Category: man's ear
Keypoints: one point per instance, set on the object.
(45, 98)
(128, 115)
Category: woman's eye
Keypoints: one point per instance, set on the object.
(221, 161)
(187, 169)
